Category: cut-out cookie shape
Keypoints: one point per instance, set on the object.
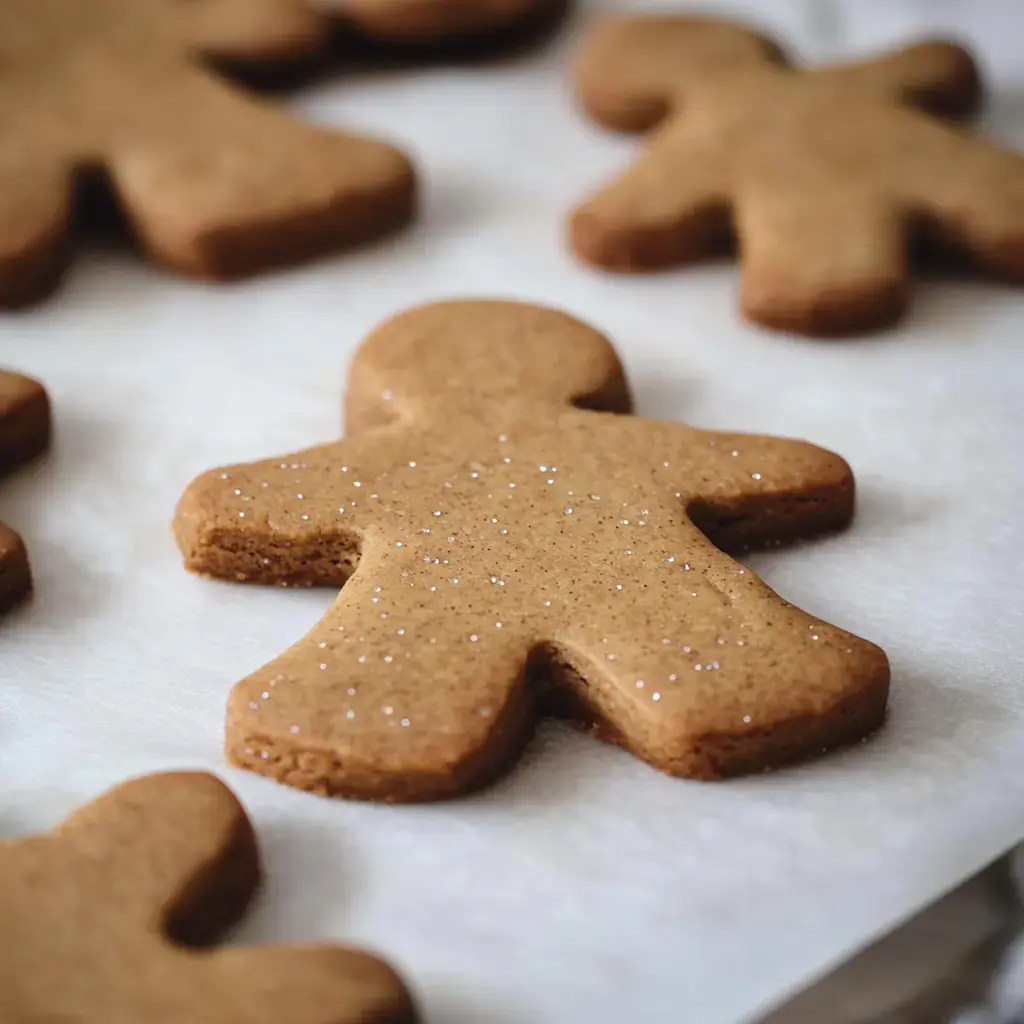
(99, 916)
(823, 176)
(212, 181)
(438, 20)
(500, 542)
(24, 434)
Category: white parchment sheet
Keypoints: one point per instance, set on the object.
(585, 887)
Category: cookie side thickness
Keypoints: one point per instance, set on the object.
(25, 431)
(431, 21)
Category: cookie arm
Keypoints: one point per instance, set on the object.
(747, 491)
(246, 187)
(672, 206)
(937, 76)
(35, 211)
(177, 846)
(969, 194)
(275, 521)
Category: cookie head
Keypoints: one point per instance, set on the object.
(449, 353)
(632, 70)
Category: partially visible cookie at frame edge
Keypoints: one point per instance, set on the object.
(823, 175)
(507, 550)
(212, 181)
(102, 916)
(433, 21)
(24, 434)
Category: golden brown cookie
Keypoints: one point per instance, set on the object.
(507, 545)
(24, 434)
(100, 914)
(823, 176)
(212, 181)
(437, 20)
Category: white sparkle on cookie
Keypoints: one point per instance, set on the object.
(670, 559)
(412, 465)
(356, 483)
(406, 722)
(610, 657)
(568, 511)
(350, 714)
(755, 476)
(294, 730)
(254, 705)
(388, 659)
(640, 684)
(388, 709)
(655, 696)
(361, 659)
(747, 719)
(473, 638)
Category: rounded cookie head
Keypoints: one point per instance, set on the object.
(630, 69)
(486, 350)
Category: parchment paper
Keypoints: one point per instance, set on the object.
(585, 887)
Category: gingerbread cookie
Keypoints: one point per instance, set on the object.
(212, 181)
(506, 547)
(431, 21)
(823, 176)
(24, 434)
(99, 914)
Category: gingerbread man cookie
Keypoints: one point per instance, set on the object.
(426, 21)
(507, 545)
(24, 434)
(99, 916)
(212, 181)
(823, 176)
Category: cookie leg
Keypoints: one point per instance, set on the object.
(245, 188)
(385, 698)
(821, 263)
(35, 210)
(661, 211)
(727, 680)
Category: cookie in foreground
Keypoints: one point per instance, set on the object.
(509, 543)
(103, 917)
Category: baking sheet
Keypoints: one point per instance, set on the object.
(584, 887)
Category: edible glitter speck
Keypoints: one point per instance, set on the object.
(755, 476)
(655, 696)
(610, 657)
(618, 586)
(568, 512)
(406, 722)
(747, 719)
(294, 729)
(361, 659)
(412, 465)
(351, 691)
(323, 666)
(671, 558)
(356, 483)
(388, 710)
(388, 659)
(254, 705)
(473, 638)
(640, 684)
(350, 714)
